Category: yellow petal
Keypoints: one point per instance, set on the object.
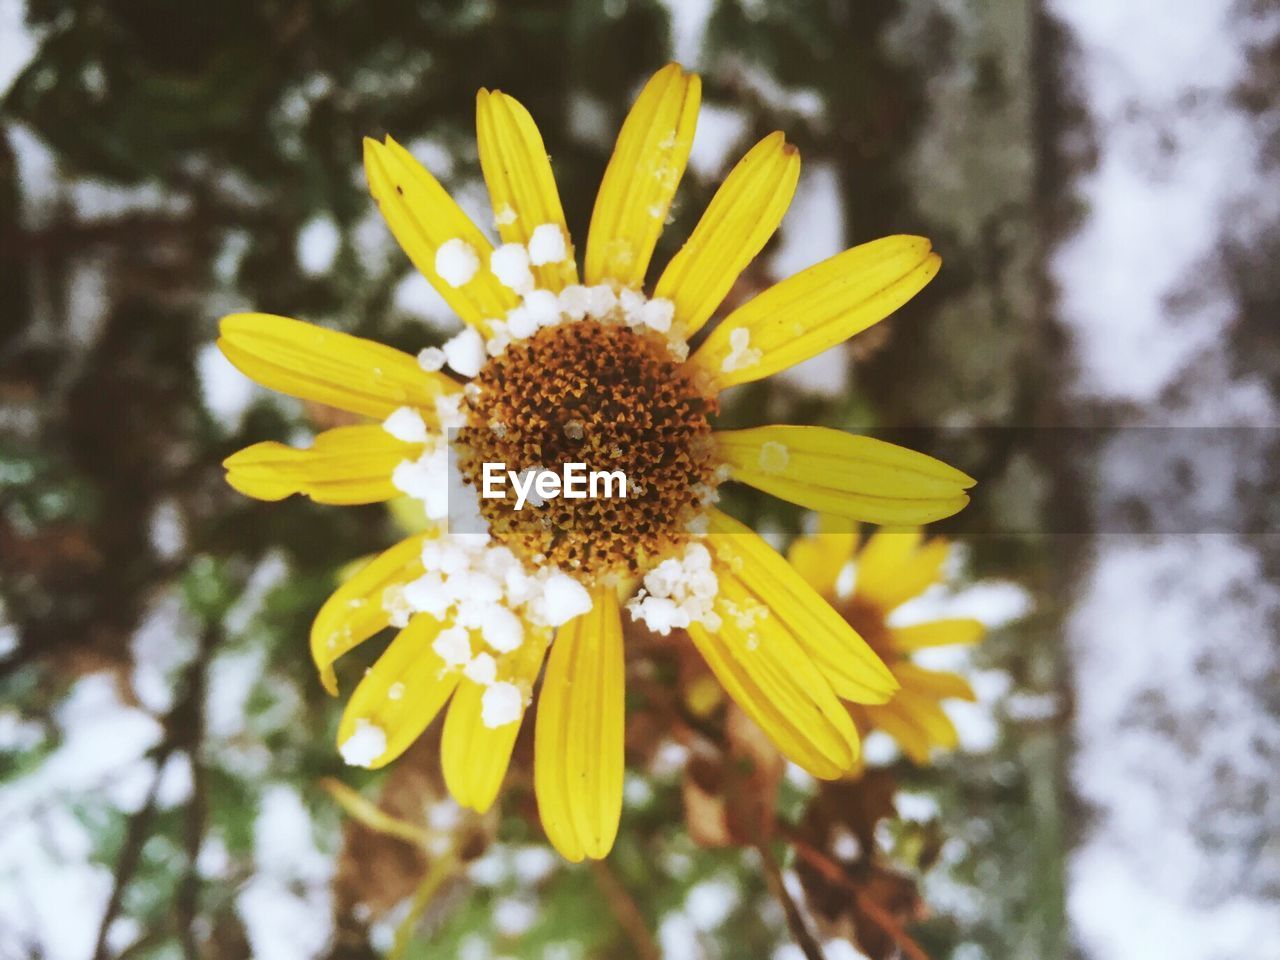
(521, 185)
(893, 567)
(314, 363)
(763, 668)
(820, 557)
(934, 684)
(918, 723)
(344, 465)
(423, 217)
(578, 741)
(905, 728)
(937, 633)
(849, 665)
(817, 309)
(641, 179)
(740, 219)
(354, 612)
(474, 756)
(883, 555)
(402, 692)
(844, 474)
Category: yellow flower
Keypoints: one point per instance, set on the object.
(890, 568)
(594, 371)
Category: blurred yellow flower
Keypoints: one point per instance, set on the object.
(549, 370)
(888, 569)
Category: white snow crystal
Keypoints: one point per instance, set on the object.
(774, 457)
(677, 592)
(563, 599)
(601, 300)
(431, 359)
(397, 607)
(510, 264)
(657, 314)
(547, 245)
(406, 424)
(543, 307)
(449, 411)
(457, 262)
(631, 302)
(574, 301)
(318, 243)
(465, 352)
(521, 323)
(453, 646)
(482, 669)
(501, 704)
(365, 745)
(426, 479)
(741, 354)
(501, 628)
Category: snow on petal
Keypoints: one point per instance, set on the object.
(365, 745)
(457, 262)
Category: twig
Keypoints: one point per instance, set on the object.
(369, 814)
(187, 900)
(130, 853)
(800, 931)
(626, 911)
(836, 874)
(440, 870)
(183, 727)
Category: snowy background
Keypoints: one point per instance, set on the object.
(1100, 179)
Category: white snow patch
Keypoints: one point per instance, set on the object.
(813, 228)
(741, 354)
(18, 42)
(365, 745)
(547, 245)
(431, 359)
(678, 592)
(227, 393)
(719, 130)
(709, 902)
(286, 906)
(406, 424)
(318, 243)
(1176, 746)
(563, 599)
(416, 296)
(167, 530)
(456, 262)
(823, 375)
(502, 703)
(774, 456)
(162, 646)
(482, 669)
(452, 645)
(510, 264)
(46, 860)
(465, 352)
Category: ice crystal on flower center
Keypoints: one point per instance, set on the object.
(613, 398)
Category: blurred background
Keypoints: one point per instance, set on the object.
(1100, 179)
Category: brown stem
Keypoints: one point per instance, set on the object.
(800, 931)
(626, 911)
(836, 874)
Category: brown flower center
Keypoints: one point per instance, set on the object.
(614, 399)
